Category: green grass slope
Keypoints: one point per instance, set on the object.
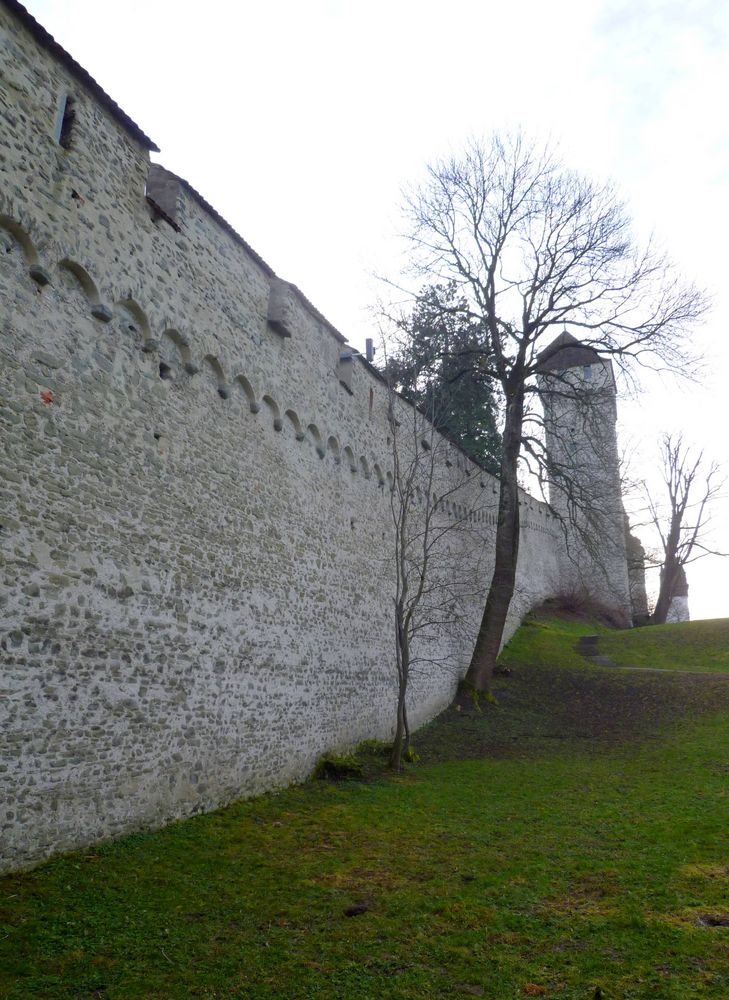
(694, 646)
(570, 842)
(700, 645)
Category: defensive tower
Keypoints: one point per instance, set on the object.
(579, 399)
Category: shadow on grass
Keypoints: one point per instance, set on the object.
(590, 706)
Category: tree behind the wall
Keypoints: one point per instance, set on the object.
(434, 359)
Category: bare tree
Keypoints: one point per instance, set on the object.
(533, 247)
(434, 503)
(682, 516)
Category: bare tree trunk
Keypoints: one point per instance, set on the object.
(669, 579)
(402, 731)
(398, 743)
(488, 642)
(671, 568)
(664, 599)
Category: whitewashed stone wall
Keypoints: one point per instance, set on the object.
(196, 598)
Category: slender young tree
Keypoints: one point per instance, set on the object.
(682, 516)
(532, 247)
(433, 502)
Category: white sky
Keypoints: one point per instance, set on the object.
(302, 120)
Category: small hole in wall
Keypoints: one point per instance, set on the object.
(162, 442)
(165, 372)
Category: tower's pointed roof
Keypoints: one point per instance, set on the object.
(564, 352)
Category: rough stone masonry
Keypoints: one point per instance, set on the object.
(195, 480)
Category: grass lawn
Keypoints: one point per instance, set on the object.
(701, 645)
(696, 646)
(570, 842)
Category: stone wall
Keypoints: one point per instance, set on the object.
(194, 495)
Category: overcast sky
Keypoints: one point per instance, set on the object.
(302, 121)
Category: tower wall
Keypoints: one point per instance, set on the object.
(584, 477)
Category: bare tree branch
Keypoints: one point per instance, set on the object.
(692, 485)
